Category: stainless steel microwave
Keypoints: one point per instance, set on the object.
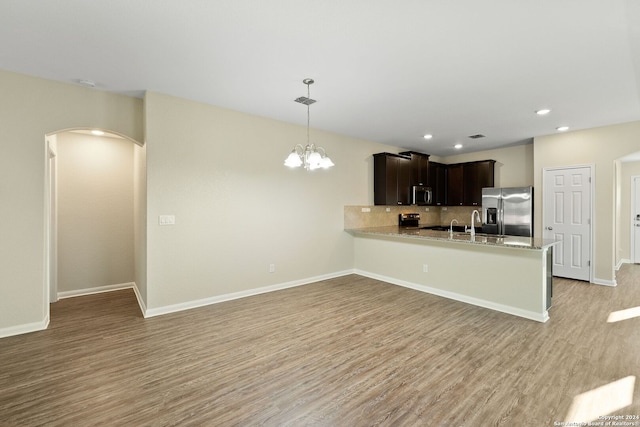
(421, 195)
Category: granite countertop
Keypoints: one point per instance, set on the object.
(515, 242)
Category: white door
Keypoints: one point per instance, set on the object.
(635, 220)
(567, 219)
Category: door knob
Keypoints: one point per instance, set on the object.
(549, 228)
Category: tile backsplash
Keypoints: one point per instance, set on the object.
(461, 213)
(378, 216)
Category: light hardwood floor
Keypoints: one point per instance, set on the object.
(350, 351)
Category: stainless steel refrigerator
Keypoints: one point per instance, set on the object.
(508, 211)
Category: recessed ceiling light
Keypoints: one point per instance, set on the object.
(457, 146)
(97, 132)
(543, 112)
(562, 128)
(428, 136)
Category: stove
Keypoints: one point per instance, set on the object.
(409, 220)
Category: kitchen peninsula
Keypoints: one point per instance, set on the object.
(508, 274)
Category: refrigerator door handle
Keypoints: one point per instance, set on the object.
(500, 217)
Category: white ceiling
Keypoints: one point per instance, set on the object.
(386, 71)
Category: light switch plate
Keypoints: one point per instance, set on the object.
(167, 220)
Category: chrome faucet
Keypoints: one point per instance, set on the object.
(475, 214)
(451, 226)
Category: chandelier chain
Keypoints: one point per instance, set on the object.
(308, 113)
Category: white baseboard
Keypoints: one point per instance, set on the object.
(152, 312)
(531, 315)
(107, 288)
(621, 262)
(141, 304)
(38, 326)
(25, 328)
(603, 282)
(96, 290)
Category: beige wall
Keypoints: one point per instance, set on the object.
(140, 220)
(210, 167)
(624, 230)
(513, 168)
(237, 208)
(459, 271)
(95, 211)
(599, 147)
(31, 108)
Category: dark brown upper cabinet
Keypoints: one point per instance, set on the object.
(477, 175)
(431, 174)
(465, 182)
(391, 179)
(438, 182)
(458, 184)
(455, 183)
(419, 167)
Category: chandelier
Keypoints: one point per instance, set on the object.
(310, 156)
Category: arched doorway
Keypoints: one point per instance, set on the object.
(627, 170)
(95, 208)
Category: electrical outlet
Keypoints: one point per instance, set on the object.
(425, 268)
(366, 209)
(388, 209)
(167, 220)
(426, 209)
(272, 268)
(444, 208)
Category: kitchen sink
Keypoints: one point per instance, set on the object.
(479, 237)
(456, 228)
